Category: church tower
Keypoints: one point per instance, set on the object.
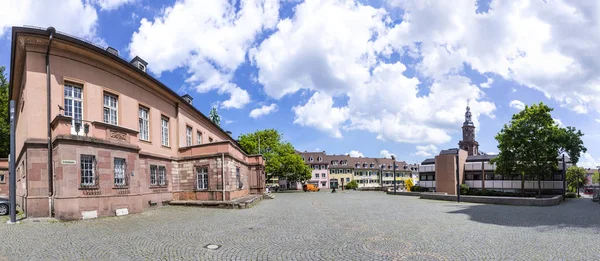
(468, 141)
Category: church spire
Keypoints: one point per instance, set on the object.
(468, 121)
(468, 142)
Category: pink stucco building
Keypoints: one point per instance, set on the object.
(119, 138)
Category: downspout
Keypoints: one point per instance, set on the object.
(51, 32)
(223, 174)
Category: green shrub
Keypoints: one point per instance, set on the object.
(570, 195)
(464, 189)
(418, 189)
(352, 185)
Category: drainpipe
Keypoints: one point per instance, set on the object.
(51, 32)
(223, 174)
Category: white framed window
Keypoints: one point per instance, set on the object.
(88, 169)
(188, 136)
(310, 159)
(319, 159)
(316, 166)
(120, 172)
(73, 105)
(144, 122)
(164, 125)
(110, 109)
(317, 175)
(153, 175)
(347, 179)
(198, 137)
(201, 177)
(162, 175)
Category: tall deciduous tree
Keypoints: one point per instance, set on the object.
(576, 178)
(4, 117)
(531, 143)
(281, 160)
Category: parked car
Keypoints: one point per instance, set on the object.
(4, 203)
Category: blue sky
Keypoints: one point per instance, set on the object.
(345, 76)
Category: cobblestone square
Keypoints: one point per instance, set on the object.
(321, 226)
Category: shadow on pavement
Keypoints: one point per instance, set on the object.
(574, 213)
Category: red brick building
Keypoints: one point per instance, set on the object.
(119, 138)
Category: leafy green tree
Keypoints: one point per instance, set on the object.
(596, 178)
(576, 178)
(281, 160)
(531, 143)
(4, 117)
(352, 185)
(214, 116)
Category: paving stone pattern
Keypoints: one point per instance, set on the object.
(321, 226)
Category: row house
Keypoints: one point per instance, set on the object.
(96, 134)
(367, 172)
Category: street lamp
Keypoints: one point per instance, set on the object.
(394, 162)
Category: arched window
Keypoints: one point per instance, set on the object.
(357, 165)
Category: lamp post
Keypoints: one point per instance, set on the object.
(394, 162)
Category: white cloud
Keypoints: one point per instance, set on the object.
(355, 154)
(426, 151)
(488, 83)
(559, 122)
(519, 105)
(264, 110)
(70, 16)
(386, 154)
(514, 89)
(209, 39)
(112, 4)
(587, 161)
(319, 113)
(597, 120)
(540, 45)
(334, 48)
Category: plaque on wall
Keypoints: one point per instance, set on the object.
(117, 135)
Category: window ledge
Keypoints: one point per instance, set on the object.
(145, 141)
(168, 147)
(115, 127)
(121, 187)
(158, 186)
(93, 187)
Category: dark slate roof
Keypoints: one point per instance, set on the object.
(428, 162)
(480, 158)
(449, 151)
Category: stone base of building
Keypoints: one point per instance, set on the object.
(72, 201)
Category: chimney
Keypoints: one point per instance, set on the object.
(187, 98)
(113, 51)
(139, 63)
